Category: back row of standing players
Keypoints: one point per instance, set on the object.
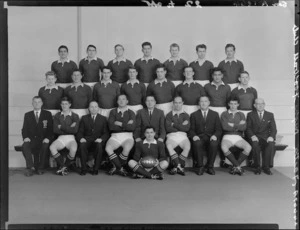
(144, 78)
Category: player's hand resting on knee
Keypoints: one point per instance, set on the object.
(98, 140)
(46, 140)
(270, 139)
(254, 138)
(213, 138)
(196, 138)
(26, 139)
(82, 140)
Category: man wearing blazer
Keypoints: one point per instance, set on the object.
(150, 116)
(92, 135)
(205, 133)
(37, 132)
(261, 130)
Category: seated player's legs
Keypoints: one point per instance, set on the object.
(246, 150)
(56, 146)
(72, 147)
(139, 169)
(127, 146)
(111, 145)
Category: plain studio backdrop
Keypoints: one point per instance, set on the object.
(263, 37)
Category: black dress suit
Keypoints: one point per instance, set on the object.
(157, 121)
(204, 129)
(91, 130)
(37, 132)
(262, 129)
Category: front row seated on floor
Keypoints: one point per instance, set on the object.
(92, 133)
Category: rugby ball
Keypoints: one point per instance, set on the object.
(148, 162)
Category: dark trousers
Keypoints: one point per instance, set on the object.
(38, 150)
(97, 149)
(200, 147)
(264, 147)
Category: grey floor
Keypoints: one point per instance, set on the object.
(222, 198)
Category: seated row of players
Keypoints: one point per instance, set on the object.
(106, 91)
(203, 130)
(146, 66)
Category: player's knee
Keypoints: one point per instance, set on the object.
(164, 164)
(53, 149)
(132, 163)
(247, 149)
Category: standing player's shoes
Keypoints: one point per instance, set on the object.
(112, 171)
(158, 176)
(180, 170)
(123, 172)
(173, 171)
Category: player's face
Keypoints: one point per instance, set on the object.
(217, 76)
(37, 103)
(51, 79)
(259, 105)
(230, 52)
(106, 74)
(147, 51)
(63, 53)
(174, 51)
(65, 105)
(150, 102)
(93, 108)
(149, 134)
(244, 79)
(91, 52)
(76, 77)
(119, 51)
(233, 105)
(201, 53)
(204, 103)
(161, 73)
(132, 74)
(122, 101)
(188, 73)
(177, 103)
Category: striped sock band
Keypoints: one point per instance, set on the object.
(135, 168)
(112, 156)
(182, 157)
(123, 157)
(56, 155)
(174, 156)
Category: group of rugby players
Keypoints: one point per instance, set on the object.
(165, 110)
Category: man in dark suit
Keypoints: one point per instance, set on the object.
(37, 132)
(205, 132)
(92, 135)
(261, 130)
(150, 116)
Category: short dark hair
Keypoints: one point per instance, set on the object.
(122, 94)
(234, 99)
(230, 45)
(76, 70)
(216, 69)
(63, 47)
(200, 46)
(151, 95)
(243, 72)
(174, 45)
(188, 67)
(146, 44)
(149, 127)
(94, 101)
(131, 67)
(91, 46)
(204, 96)
(50, 73)
(65, 99)
(37, 97)
(177, 97)
(106, 67)
(120, 46)
(160, 66)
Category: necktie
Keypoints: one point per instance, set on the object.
(150, 114)
(37, 117)
(204, 116)
(94, 118)
(260, 116)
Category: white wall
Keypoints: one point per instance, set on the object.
(263, 37)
